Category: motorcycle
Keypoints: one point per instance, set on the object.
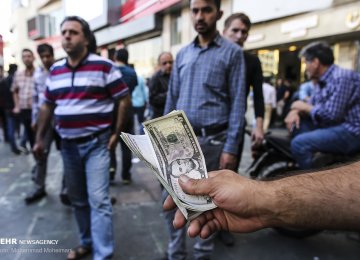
(273, 159)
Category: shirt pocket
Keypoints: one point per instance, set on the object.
(216, 77)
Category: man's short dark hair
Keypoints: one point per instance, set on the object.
(12, 68)
(241, 16)
(84, 25)
(27, 50)
(122, 55)
(216, 2)
(320, 50)
(92, 44)
(45, 48)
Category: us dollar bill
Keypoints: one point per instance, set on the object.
(178, 152)
(140, 147)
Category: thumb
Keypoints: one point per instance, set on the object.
(195, 186)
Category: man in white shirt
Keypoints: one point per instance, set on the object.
(269, 94)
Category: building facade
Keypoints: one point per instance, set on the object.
(278, 40)
(148, 27)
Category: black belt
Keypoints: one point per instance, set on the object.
(210, 130)
(84, 139)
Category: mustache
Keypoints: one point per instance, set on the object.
(200, 23)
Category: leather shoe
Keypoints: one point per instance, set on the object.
(226, 238)
(64, 198)
(35, 196)
(15, 151)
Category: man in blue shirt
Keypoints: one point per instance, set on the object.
(208, 83)
(306, 89)
(330, 123)
(130, 78)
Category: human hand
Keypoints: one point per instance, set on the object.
(257, 136)
(301, 106)
(113, 142)
(237, 199)
(34, 127)
(16, 110)
(228, 161)
(292, 119)
(38, 149)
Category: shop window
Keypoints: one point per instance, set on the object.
(175, 28)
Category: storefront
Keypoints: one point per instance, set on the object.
(278, 42)
(140, 30)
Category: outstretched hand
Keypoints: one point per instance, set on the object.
(237, 199)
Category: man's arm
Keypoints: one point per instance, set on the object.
(15, 91)
(321, 200)
(16, 109)
(35, 108)
(336, 105)
(258, 133)
(43, 123)
(122, 110)
(237, 93)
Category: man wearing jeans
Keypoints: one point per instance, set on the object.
(81, 90)
(330, 123)
(22, 87)
(208, 83)
(46, 54)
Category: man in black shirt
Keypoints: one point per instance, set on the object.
(158, 84)
(236, 29)
(6, 107)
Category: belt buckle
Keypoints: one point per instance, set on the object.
(203, 131)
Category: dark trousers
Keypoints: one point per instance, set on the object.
(126, 155)
(4, 123)
(25, 118)
(212, 147)
(241, 146)
(139, 113)
(11, 121)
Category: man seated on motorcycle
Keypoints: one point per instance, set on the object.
(330, 122)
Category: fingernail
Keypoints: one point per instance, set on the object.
(183, 178)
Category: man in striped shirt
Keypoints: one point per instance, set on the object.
(81, 90)
(330, 123)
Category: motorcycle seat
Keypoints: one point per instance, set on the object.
(280, 139)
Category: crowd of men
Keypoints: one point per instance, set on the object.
(88, 100)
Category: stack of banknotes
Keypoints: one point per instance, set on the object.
(170, 148)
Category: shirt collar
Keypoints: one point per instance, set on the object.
(82, 62)
(324, 78)
(217, 41)
(30, 72)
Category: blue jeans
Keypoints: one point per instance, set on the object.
(334, 140)
(10, 128)
(212, 147)
(87, 179)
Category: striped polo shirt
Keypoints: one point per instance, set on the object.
(84, 96)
